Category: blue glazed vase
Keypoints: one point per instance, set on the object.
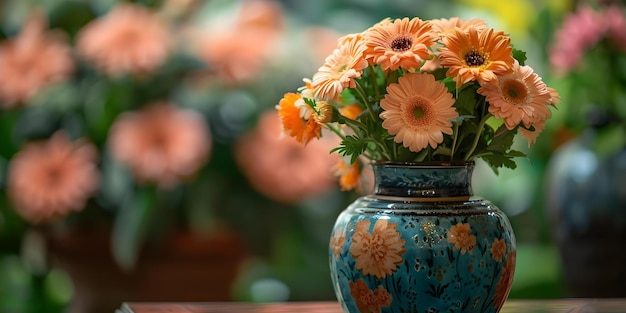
(422, 243)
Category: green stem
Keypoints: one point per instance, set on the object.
(336, 131)
(454, 139)
(365, 99)
(481, 125)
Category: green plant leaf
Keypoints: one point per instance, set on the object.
(130, 226)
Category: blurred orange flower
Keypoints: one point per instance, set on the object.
(280, 167)
(129, 39)
(161, 144)
(32, 60)
(239, 51)
(52, 178)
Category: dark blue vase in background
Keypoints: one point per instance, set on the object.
(586, 199)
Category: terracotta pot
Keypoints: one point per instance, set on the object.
(181, 268)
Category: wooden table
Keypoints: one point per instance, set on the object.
(511, 306)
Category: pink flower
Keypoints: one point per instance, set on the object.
(616, 24)
(581, 31)
(130, 39)
(31, 61)
(161, 144)
(280, 167)
(52, 178)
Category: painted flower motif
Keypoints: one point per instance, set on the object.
(32, 60)
(367, 300)
(520, 97)
(129, 39)
(377, 253)
(498, 249)
(337, 240)
(161, 144)
(460, 235)
(506, 279)
(418, 110)
(50, 179)
(401, 43)
(296, 117)
(291, 172)
(340, 68)
(476, 55)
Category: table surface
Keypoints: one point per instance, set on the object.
(511, 306)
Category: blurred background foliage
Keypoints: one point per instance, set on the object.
(287, 242)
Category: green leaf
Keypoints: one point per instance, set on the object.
(520, 56)
(502, 139)
(498, 160)
(351, 146)
(130, 226)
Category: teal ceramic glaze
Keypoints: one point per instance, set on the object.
(422, 243)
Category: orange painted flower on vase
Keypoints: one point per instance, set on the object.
(367, 300)
(498, 249)
(460, 235)
(337, 240)
(377, 252)
(506, 279)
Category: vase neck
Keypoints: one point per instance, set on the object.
(424, 182)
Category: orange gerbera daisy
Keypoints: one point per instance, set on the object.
(377, 253)
(349, 174)
(129, 39)
(520, 97)
(476, 55)
(340, 68)
(32, 60)
(418, 110)
(402, 43)
(161, 144)
(444, 27)
(351, 111)
(460, 235)
(297, 119)
(52, 178)
(531, 135)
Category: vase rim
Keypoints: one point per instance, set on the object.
(427, 164)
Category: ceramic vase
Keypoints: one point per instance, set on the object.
(586, 200)
(422, 243)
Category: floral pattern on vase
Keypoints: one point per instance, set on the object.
(395, 254)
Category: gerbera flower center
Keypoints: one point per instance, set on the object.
(403, 43)
(514, 92)
(418, 112)
(474, 58)
(54, 177)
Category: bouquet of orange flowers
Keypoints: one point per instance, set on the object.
(413, 90)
